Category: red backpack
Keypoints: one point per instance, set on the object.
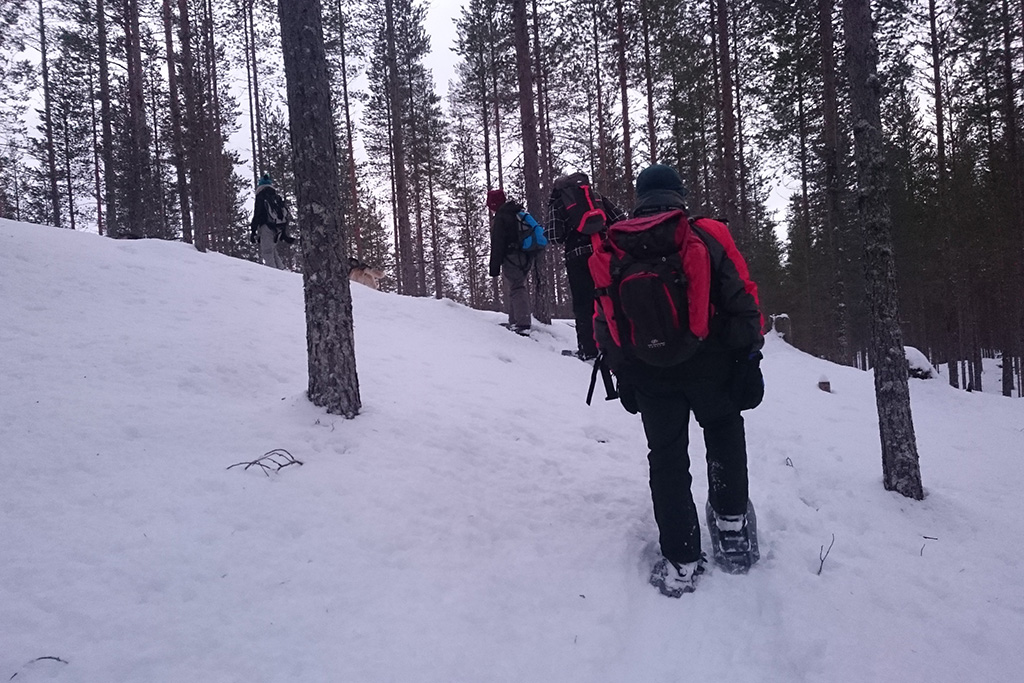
(652, 280)
(584, 208)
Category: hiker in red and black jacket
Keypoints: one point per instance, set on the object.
(565, 209)
(720, 379)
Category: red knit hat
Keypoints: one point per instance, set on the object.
(495, 198)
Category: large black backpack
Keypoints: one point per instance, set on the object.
(278, 215)
(584, 208)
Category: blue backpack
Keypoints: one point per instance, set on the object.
(530, 236)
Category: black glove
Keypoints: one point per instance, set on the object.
(627, 395)
(746, 388)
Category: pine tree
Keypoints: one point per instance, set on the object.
(333, 382)
(900, 467)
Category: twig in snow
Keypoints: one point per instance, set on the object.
(789, 463)
(274, 460)
(824, 553)
(37, 659)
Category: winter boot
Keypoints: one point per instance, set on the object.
(673, 579)
(733, 539)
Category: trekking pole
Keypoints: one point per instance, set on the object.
(609, 386)
(606, 377)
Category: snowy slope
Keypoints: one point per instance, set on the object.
(478, 522)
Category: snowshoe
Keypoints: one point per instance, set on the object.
(673, 579)
(733, 539)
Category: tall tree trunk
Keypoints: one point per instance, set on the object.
(195, 142)
(542, 122)
(355, 224)
(67, 166)
(333, 383)
(900, 467)
(485, 118)
(139, 173)
(741, 163)
(627, 148)
(497, 118)
(731, 187)
(1013, 269)
(246, 13)
(531, 162)
(260, 160)
(830, 159)
(652, 135)
(176, 141)
(109, 172)
(602, 142)
(51, 156)
(407, 264)
(95, 150)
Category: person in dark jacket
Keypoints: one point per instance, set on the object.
(509, 260)
(722, 378)
(269, 223)
(561, 229)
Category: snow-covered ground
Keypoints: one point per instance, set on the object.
(476, 523)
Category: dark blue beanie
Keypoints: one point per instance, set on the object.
(657, 179)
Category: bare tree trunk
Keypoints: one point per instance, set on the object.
(652, 135)
(176, 141)
(830, 159)
(246, 14)
(195, 143)
(485, 118)
(95, 152)
(602, 143)
(730, 185)
(51, 156)
(256, 90)
(627, 157)
(333, 383)
(109, 172)
(497, 118)
(406, 262)
(531, 162)
(900, 466)
(353, 212)
(67, 166)
(1013, 328)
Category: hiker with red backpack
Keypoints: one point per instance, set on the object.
(576, 211)
(515, 240)
(678, 321)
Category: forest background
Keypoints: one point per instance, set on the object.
(153, 118)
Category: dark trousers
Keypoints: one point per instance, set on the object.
(581, 287)
(665, 408)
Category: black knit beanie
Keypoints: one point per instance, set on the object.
(658, 179)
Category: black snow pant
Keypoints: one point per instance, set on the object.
(581, 287)
(665, 407)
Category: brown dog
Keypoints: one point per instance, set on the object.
(364, 273)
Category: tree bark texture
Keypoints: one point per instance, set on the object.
(730, 193)
(406, 265)
(178, 145)
(531, 159)
(900, 467)
(330, 343)
(830, 159)
(51, 157)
